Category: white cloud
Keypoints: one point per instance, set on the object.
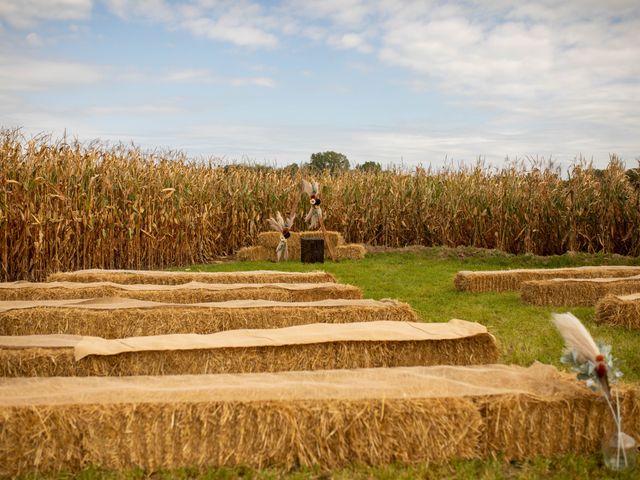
(137, 110)
(22, 74)
(27, 13)
(230, 29)
(34, 40)
(191, 75)
(255, 81)
(347, 13)
(157, 10)
(208, 76)
(350, 41)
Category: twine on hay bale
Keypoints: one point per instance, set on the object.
(307, 347)
(576, 291)
(174, 278)
(192, 292)
(506, 280)
(623, 310)
(119, 318)
(324, 418)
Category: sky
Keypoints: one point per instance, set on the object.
(401, 83)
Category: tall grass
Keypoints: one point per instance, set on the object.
(65, 205)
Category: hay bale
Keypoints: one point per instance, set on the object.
(324, 418)
(352, 251)
(623, 310)
(270, 240)
(504, 280)
(253, 254)
(306, 347)
(173, 278)
(576, 291)
(192, 292)
(537, 425)
(118, 318)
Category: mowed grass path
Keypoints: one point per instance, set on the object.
(423, 277)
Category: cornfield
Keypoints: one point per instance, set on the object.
(66, 205)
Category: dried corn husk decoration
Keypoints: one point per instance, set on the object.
(314, 216)
(281, 225)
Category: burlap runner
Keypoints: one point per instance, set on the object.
(377, 383)
(297, 335)
(113, 303)
(152, 287)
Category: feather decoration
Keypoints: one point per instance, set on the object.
(279, 224)
(307, 187)
(583, 349)
(576, 337)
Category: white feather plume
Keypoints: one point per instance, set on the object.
(576, 337)
(290, 220)
(310, 188)
(276, 224)
(307, 187)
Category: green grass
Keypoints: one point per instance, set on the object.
(424, 278)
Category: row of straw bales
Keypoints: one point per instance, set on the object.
(327, 418)
(614, 290)
(120, 318)
(306, 347)
(576, 291)
(512, 280)
(178, 278)
(192, 292)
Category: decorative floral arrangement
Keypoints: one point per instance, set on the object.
(595, 365)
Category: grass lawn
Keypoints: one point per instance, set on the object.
(424, 278)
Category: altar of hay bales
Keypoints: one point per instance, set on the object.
(576, 291)
(123, 317)
(511, 280)
(305, 347)
(622, 310)
(192, 292)
(157, 277)
(328, 418)
(265, 248)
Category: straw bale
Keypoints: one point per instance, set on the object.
(154, 436)
(352, 251)
(193, 292)
(325, 418)
(576, 291)
(623, 310)
(525, 426)
(308, 347)
(504, 280)
(130, 318)
(172, 278)
(270, 240)
(253, 254)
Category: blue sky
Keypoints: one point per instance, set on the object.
(411, 82)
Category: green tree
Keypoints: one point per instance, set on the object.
(330, 160)
(370, 167)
